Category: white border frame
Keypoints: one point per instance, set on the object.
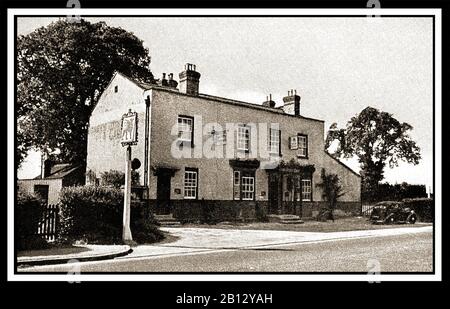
(11, 276)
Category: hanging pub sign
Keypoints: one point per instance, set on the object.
(293, 142)
(129, 128)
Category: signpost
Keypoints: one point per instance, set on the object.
(129, 138)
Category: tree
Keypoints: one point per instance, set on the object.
(377, 139)
(62, 69)
(331, 191)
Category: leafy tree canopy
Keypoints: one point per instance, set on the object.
(377, 139)
(62, 69)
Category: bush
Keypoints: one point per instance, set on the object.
(261, 214)
(144, 226)
(95, 214)
(207, 210)
(423, 207)
(28, 214)
(117, 179)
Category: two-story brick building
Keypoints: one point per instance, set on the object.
(229, 156)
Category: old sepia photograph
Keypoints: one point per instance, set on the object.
(159, 142)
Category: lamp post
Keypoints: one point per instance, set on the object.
(126, 231)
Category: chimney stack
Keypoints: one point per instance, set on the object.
(292, 103)
(172, 82)
(269, 102)
(189, 80)
(164, 80)
(46, 166)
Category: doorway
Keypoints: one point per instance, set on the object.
(163, 193)
(42, 192)
(274, 193)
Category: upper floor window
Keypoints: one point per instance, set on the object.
(243, 138)
(274, 141)
(185, 129)
(302, 145)
(306, 190)
(190, 183)
(116, 88)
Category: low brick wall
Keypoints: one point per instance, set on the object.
(213, 211)
(343, 209)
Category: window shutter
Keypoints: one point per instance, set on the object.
(192, 132)
(279, 142)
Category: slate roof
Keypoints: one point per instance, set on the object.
(277, 110)
(59, 171)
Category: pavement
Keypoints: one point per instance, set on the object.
(208, 241)
(210, 238)
(93, 253)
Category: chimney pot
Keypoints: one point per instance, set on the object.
(46, 166)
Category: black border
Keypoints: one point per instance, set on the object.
(244, 273)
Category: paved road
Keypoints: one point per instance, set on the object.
(407, 252)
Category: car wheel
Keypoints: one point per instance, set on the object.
(389, 220)
(412, 219)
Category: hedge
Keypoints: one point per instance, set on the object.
(423, 207)
(28, 214)
(394, 192)
(94, 213)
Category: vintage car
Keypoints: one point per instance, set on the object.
(392, 212)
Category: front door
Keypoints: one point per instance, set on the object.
(163, 193)
(292, 194)
(274, 193)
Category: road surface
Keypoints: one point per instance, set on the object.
(406, 252)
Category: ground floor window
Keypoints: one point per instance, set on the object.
(244, 185)
(248, 188)
(190, 183)
(306, 190)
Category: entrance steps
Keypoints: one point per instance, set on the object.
(167, 220)
(285, 219)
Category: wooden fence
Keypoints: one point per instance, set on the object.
(48, 225)
(366, 210)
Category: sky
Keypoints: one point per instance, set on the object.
(338, 66)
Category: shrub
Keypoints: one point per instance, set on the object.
(207, 210)
(117, 179)
(261, 214)
(28, 214)
(144, 226)
(95, 214)
(424, 208)
(331, 191)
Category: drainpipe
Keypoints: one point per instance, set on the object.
(146, 158)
